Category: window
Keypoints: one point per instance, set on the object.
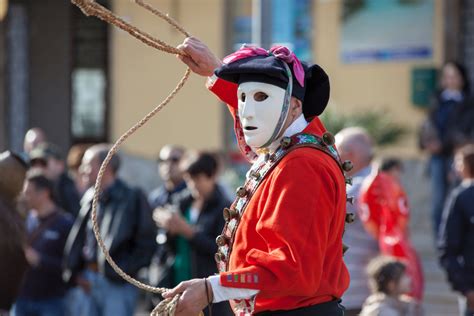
(89, 79)
(291, 23)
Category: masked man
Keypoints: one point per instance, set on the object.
(281, 249)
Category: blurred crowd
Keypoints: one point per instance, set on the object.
(51, 263)
(55, 266)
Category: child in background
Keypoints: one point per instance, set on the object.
(389, 284)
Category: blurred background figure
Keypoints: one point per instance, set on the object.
(196, 223)
(385, 213)
(166, 195)
(442, 132)
(73, 161)
(13, 263)
(389, 283)
(43, 290)
(48, 158)
(355, 144)
(127, 227)
(456, 243)
(33, 137)
(172, 176)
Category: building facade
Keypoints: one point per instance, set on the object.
(84, 81)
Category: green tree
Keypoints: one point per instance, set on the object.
(376, 122)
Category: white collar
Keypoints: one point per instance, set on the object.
(454, 95)
(296, 127)
(467, 182)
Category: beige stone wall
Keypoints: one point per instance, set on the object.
(142, 77)
(357, 87)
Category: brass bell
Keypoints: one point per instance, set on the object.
(254, 174)
(221, 240)
(347, 166)
(230, 214)
(350, 199)
(328, 139)
(344, 248)
(219, 256)
(350, 218)
(349, 180)
(241, 192)
(285, 142)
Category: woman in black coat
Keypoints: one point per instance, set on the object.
(197, 223)
(443, 131)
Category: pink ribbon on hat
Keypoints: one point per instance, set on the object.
(285, 54)
(281, 52)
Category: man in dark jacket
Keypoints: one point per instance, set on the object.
(43, 288)
(127, 228)
(456, 242)
(167, 194)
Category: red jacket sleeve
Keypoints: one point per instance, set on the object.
(226, 92)
(295, 223)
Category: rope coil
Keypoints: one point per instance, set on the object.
(167, 307)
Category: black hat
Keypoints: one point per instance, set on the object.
(270, 69)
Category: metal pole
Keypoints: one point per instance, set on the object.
(262, 23)
(257, 22)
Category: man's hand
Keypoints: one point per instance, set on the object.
(32, 256)
(193, 296)
(173, 222)
(470, 300)
(199, 57)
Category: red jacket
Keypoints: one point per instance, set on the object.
(289, 241)
(385, 214)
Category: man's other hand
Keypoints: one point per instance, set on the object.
(193, 296)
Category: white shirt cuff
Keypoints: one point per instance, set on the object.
(211, 81)
(222, 293)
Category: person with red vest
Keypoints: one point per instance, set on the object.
(385, 213)
(281, 249)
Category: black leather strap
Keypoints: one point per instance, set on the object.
(332, 308)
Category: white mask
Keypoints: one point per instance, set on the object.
(261, 112)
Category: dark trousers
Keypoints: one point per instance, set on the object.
(45, 307)
(352, 312)
(332, 308)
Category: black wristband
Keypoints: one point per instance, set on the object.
(209, 302)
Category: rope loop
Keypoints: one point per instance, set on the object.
(166, 307)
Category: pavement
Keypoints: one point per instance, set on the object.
(439, 299)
